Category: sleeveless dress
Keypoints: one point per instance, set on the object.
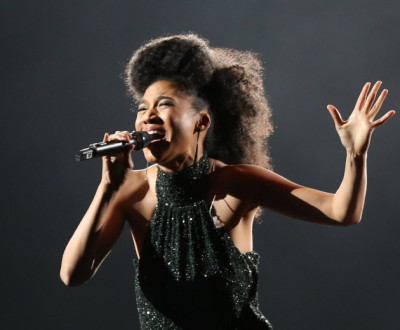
(190, 274)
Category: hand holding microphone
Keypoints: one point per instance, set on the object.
(139, 140)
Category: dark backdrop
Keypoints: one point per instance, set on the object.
(61, 89)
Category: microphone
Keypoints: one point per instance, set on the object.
(139, 140)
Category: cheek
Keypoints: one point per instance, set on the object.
(137, 124)
(183, 126)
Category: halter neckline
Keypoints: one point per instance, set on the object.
(195, 166)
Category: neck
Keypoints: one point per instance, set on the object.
(179, 163)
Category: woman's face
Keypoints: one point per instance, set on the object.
(167, 113)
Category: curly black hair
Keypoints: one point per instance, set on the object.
(227, 81)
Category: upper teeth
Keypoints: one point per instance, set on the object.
(155, 132)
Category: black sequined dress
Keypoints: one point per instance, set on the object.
(190, 274)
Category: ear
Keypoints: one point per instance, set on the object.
(204, 121)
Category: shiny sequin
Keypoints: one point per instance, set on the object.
(191, 275)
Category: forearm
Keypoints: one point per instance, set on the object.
(79, 256)
(348, 202)
(355, 135)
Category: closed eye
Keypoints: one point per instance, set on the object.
(168, 104)
(140, 108)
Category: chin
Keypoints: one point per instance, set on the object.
(154, 153)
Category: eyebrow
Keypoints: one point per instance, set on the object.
(159, 98)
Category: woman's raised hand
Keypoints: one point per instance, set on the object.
(355, 132)
(116, 167)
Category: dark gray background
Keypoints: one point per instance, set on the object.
(60, 90)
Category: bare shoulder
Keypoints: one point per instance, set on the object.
(134, 180)
(237, 174)
(135, 186)
(138, 196)
(232, 198)
(244, 181)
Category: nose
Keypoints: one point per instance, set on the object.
(148, 116)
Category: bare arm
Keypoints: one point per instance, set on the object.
(101, 225)
(93, 238)
(345, 206)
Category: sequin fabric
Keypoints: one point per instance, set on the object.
(191, 275)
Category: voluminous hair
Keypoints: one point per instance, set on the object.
(227, 81)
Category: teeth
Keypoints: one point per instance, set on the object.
(156, 135)
(155, 132)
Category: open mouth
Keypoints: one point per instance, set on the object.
(156, 135)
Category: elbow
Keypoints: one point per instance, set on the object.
(69, 279)
(65, 278)
(350, 221)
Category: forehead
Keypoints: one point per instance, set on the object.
(163, 88)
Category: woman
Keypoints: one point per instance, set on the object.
(191, 214)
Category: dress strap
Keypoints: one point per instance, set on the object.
(211, 211)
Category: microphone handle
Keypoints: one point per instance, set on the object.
(139, 140)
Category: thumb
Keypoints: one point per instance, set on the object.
(335, 114)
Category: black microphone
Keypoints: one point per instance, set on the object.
(139, 140)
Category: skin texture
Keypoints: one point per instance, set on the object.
(126, 195)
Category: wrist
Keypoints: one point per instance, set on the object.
(358, 159)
